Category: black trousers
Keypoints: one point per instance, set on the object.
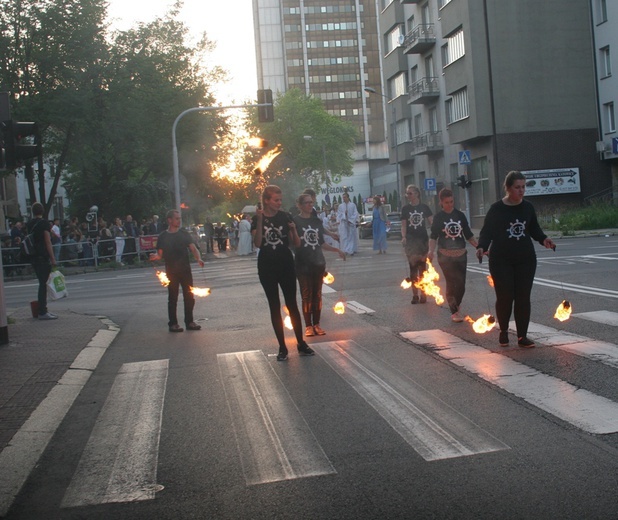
(454, 270)
(310, 282)
(513, 285)
(42, 270)
(275, 274)
(184, 280)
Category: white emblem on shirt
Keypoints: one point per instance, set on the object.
(415, 219)
(272, 235)
(452, 229)
(310, 237)
(517, 229)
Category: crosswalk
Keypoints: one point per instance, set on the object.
(276, 441)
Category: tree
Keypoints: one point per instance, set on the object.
(107, 109)
(315, 143)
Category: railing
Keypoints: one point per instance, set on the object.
(606, 195)
(427, 142)
(86, 253)
(424, 87)
(420, 33)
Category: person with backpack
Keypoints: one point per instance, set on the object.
(43, 258)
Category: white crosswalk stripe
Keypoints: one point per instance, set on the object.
(274, 440)
(119, 463)
(434, 429)
(583, 409)
(604, 317)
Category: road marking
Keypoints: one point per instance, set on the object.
(581, 408)
(596, 291)
(274, 441)
(601, 351)
(119, 462)
(604, 317)
(22, 454)
(358, 308)
(429, 425)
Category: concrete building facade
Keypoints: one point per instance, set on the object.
(482, 87)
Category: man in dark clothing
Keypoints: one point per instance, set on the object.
(130, 246)
(173, 245)
(44, 258)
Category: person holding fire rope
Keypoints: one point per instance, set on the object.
(449, 232)
(173, 246)
(508, 231)
(273, 230)
(310, 263)
(414, 219)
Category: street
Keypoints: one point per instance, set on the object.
(400, 414)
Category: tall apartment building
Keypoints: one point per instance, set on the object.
(482, 87)
(605, 31)
(329, 49)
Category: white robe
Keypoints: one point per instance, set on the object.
(244, 238)
(347, 215)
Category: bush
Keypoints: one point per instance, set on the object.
(597, 216)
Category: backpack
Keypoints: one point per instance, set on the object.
(27, 247)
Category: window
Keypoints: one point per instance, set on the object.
(442, 3)
(413, 75)
(410, 24)
(602, 5)
(606, 62)
(392, 38)
(402, 131)
(434, 124)
(457, 106)
(398, 85)
(418, 124)
(454, 48)
(610, 118)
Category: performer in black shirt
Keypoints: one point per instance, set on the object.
(509, 228)
(273, 229)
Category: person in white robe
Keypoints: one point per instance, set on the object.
(347, 215)
(244, 237)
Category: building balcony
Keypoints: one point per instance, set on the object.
(425, 90)
(420, 39)
(428, 143)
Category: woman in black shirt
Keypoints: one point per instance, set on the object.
(509, 228)
(273, 230)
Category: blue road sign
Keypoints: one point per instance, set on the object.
(465, 157)
(430, 184)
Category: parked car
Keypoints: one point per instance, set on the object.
(365, 228)
(394, 230)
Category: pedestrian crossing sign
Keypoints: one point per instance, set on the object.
(465, 157)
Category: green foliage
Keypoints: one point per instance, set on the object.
(315, 144)
(596, 216)
(107, 101)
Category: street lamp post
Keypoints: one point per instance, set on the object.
(394, 141)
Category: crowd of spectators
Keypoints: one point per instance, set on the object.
(88, 243)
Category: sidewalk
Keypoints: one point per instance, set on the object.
(35, 359)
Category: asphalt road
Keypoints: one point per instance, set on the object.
(401, 413)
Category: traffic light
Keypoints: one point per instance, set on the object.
(266, 114)
(21, 142)
(463, 182)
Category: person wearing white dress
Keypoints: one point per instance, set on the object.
(347, 214)
(244, 236)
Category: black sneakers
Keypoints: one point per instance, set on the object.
(525, 342)
(504, 338)
(305, 350)
(283, 355)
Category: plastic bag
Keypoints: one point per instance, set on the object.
(56, 286)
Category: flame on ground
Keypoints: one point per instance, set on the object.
(484, 324)
(427, 284)
(263, 164)
(165, 281)
(287, 321)
(406, 283)
(563, 312)
(490, 280)
(328, 278)
(339, 307)
(198, 291)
